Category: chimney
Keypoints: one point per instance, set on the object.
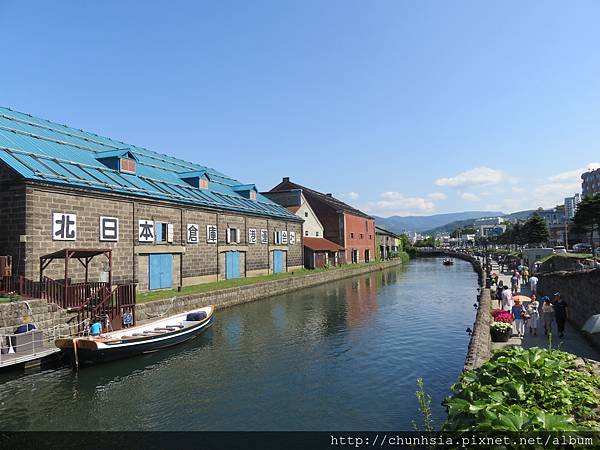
(286, 179)
(329, 194)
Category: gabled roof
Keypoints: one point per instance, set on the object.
(121, 153)
(321, 244)
(379, 230)
(328, 199)
(44, 151)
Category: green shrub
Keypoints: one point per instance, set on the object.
(525, 390)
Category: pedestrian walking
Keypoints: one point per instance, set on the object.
(534, 315)
(507, 301)
(514, 282)
(561, 314)
(517, 313)
(499, 289)
(547, 314)
(525, 275)
(533, 282)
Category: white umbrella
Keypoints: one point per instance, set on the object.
(592, 325)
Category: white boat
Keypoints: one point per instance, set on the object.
(147, 338)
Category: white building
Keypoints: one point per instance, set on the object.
(488, 221)
(571, 206)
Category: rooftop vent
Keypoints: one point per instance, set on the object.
(246, 190)
(122, 160)
(197, 178)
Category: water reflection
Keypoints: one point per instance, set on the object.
(343, 355)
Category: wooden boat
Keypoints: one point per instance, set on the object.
(147, 338)
(448, 262)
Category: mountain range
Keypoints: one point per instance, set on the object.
(439, 223)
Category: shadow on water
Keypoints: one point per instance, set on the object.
(343, 355)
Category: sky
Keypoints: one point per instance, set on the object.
(396, 107)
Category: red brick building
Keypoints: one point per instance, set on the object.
(347, 226)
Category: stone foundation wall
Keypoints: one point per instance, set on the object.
(581, 291)
(479, 350)
(233, 296)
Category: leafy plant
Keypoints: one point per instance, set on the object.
(525, 390)
(424, 400)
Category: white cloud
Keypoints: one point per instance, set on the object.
(396, 204)
(479, 176)
(352, 195)
(470, 197)
(437, 196)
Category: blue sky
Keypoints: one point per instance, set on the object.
(396, 107)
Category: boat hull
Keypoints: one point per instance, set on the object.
(91, 352)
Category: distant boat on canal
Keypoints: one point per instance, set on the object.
(448, 262)
(128, 342)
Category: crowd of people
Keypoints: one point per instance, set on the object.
(528, 312)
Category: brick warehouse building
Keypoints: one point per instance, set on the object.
(168, 222)
(347, 226)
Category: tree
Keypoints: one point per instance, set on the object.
(587, 215)
(535, 230)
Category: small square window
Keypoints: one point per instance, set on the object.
(352, 235)
(306, 214)
(317, 234)
(127, 165)
(361, 235)
(306, 233)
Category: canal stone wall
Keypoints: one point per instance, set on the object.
(479, 350)
(232, 296)
(581, 292)
(47, 317)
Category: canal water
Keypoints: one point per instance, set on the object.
(341, 356)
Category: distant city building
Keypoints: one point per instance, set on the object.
(490, 230)
(488, 221)
(553, 216)
(556, 220)
(591, 182)
(571, 206)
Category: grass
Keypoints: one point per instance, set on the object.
(150, 296)
(567, 255)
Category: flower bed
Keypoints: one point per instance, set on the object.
(502, 316)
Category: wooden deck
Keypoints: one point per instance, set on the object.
(13, 360)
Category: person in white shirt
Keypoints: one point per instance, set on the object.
(533, 281)
(507, 300)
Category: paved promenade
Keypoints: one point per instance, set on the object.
(573, 342)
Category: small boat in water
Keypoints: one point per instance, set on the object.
(146, 338)
(448, 262)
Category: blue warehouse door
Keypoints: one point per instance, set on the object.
(232, 265)
(278, 261)
(161, 271)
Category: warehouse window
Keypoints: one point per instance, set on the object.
(233, 235)
(163, 232)
(127, 165)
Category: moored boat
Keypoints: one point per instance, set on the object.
(147, 338)
(448, 262)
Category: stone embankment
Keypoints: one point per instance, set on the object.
(228, 297)
(47, 317)
(580, 290)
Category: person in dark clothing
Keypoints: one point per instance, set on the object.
(561, 313)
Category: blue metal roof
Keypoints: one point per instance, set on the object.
(48, 152)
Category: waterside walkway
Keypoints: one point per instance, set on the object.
(573, 342)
